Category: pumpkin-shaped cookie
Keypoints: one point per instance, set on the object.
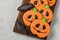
(51, 2)
(30, 16)
(46, 12)
(40, 29)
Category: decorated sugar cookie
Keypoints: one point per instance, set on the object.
(30, 16)
(40, 29)
(35, 17)
(46, 12)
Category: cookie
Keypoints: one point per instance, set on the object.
(34, 18)
(40, 29)
(30, 16)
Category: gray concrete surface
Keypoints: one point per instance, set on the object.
(8, 15)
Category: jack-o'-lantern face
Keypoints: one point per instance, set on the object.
(30, 16)
(46, 12)
(40, 29)
(39, 2)
(51, 2)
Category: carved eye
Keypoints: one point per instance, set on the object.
(36, 17)
(29, 16)
(37, 25)
(44, 27)
(42, 2)
(35, 2)
(47, 14)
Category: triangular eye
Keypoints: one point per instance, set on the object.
(36, 17)
(29, 16)
(47, 14)
(37, 25)
(44, 27)
(35, 2)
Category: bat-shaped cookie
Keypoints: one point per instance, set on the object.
(25, 7)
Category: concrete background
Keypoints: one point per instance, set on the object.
(8, 15)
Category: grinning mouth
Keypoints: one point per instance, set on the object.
(39, 31)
